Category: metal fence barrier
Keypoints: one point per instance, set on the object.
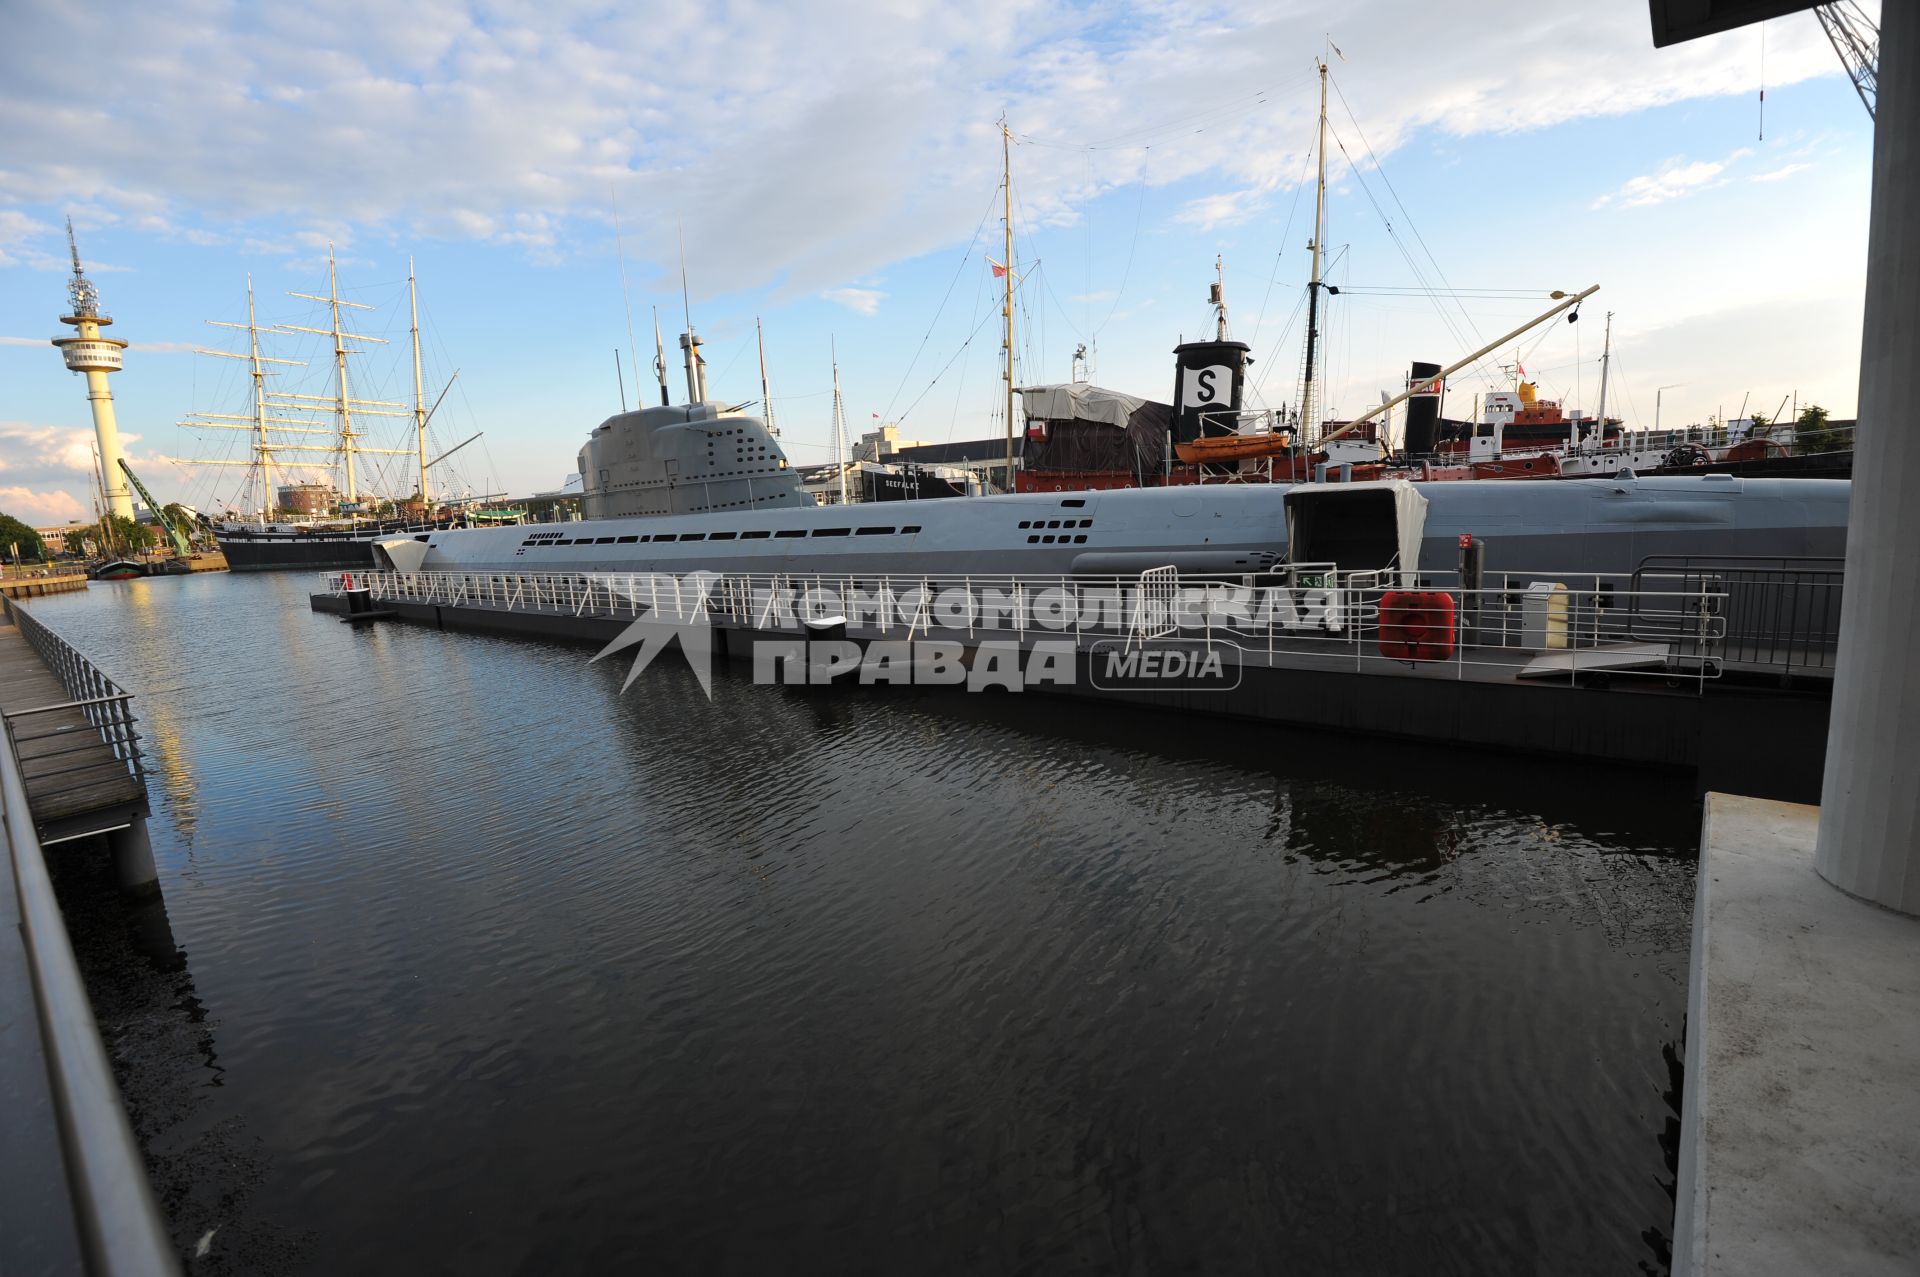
(1591, 625)
(1782, 614)
(107, 708)
(121, 1231)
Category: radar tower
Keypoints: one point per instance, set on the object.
(86, 351)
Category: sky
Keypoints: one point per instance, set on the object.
(834, 171)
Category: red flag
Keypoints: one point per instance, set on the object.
(999, 271)
(1518, 366)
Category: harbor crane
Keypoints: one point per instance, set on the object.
(182, 547)
(1857, 40)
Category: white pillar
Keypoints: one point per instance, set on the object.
(107, 430)
(1869, 841)
(94, 355)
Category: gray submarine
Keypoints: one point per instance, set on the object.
(700, 487)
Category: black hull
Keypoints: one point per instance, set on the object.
(285, 553)
(117, 570)
(249, 550)
(911, 486)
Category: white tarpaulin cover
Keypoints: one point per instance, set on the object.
(1080, 401)
(1409, 515)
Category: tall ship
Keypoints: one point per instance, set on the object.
(297, 521)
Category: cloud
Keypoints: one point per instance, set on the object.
(1676, 179)
(1228, 208)
(1776, 175)
(527, 124)
(17, 233)
(865, 301)
(45, 451)
(41, 468)
(41, 507)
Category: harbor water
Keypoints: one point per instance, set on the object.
(472, 963)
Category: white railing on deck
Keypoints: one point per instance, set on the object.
(1585, 626)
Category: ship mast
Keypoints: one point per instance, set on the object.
(766, 395)
(1309, 390)
(840, 423)
(344, 404)
(340, 367)
(281, 403)
(659, 362)
(1606, 354)
(419, 391)
(1006, 305)
(262, 449)
(258, 421)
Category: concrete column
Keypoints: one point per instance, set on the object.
(133, 859)
(107, 430)
(1869, 841)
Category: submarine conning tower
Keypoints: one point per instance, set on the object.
(685, 458)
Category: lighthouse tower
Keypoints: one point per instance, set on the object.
(96, 356)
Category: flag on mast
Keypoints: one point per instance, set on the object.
(999, 271)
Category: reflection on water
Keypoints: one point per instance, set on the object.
(508, 971)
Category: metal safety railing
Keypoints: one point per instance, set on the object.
(120, 1228)
(102, 703)
(1581, 625)
(1782, 613)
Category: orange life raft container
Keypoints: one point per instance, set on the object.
(1416, 625)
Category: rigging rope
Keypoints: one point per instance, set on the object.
(1299, 185)
(941, 309)
(1411, 224)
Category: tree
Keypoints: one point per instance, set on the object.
(119, 531)
(17, 535)
(189, 524)
(1811, 433)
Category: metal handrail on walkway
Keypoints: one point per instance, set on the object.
(121, 1231)
(107, 706)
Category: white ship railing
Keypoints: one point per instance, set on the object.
(1535, 625)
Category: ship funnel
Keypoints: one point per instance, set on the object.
(1209, 377)
(1423, 408)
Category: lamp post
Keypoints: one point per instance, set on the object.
(1656, 402)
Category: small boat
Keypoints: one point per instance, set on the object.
(117, 570)
(1220, 449)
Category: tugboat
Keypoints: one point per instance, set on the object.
(1519, 420)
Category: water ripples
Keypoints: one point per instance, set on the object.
(507, 969)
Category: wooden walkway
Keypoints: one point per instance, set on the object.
(70, 770)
